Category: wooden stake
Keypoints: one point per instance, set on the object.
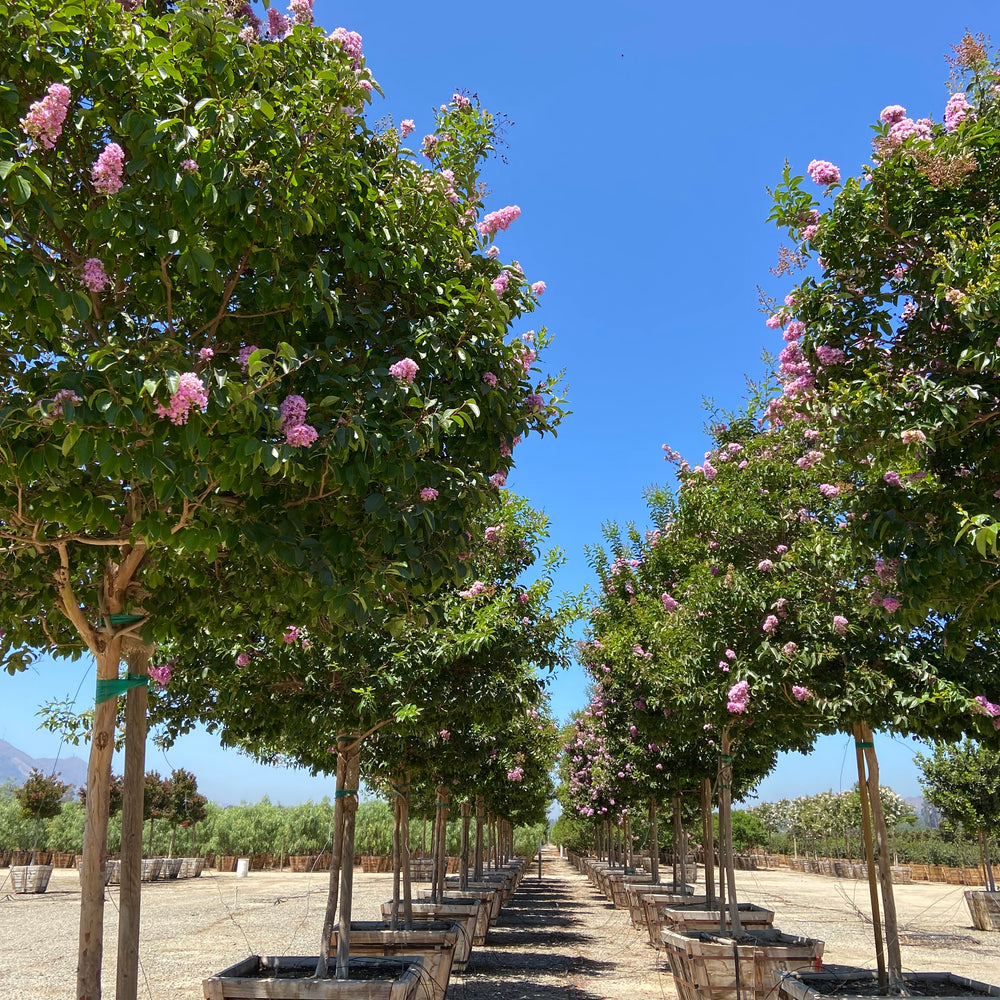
(866, 834)
(654, 842)
(708, 840)
(463, 875)
(895, 959)
(134, 785)
(480, 817)
(350, 800)
(333, 888)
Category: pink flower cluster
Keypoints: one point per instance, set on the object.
(823, 172)
(162, 674)
(44, 120)
(739, 697)
(913, 436)
(534, 403)
(302, 10)
(243, 660)
(800, 693)
(516, 774)
(244, 356)
(500, 219)
(490, 379)
(669, 604)
(840, 624)
(291, 635)
(987, 708)
(829, 355)
(428, 493)
(297, 432)
(278, 26)
(538, 288)
(829, 490)
(406, 126)
(350, 42)
(500, 283)
(189, 166)
(62, 396)
(107, 170)
(770, 624)
(958, 110)
(190, 393)
(474, 591)
(94, 278)
(404, 370)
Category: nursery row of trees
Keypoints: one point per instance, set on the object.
(830, 565)
(262, 396)
(248, 829)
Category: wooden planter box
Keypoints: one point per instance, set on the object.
(985, 909)
(713, 967)
(698, 917)
(466, 915)
(63, 859)
(636, 891)
(483, 914)
(487, 895)
(433, 940)
(844, 981)
(289, 978)
(171, 867)
(151, 868)
(227, 863)
(653, 903)
(300, 863)
(30, 878)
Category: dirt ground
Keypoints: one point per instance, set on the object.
(557, 938)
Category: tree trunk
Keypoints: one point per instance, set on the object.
(895, 960)
(629, 859)
(654, 842)
(708, 840)
(95, 836)
(397, 854)
(439, 851)
(726, 859)
(404, 840)
(349, 796)
(866, 833)
(480, 816)
(675, 815)
(463, 861)
(134, 785)
(330, 916)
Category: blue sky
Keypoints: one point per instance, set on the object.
(644, 137)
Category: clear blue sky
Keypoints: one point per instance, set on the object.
(643, 138)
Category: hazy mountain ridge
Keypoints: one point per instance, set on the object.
(15, 765)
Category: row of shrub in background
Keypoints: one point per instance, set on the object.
(259, 828)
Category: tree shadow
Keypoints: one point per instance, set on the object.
(534, 963)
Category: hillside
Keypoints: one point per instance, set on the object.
(15, 766)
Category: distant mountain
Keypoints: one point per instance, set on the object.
(15, 765)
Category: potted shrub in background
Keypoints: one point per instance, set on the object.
(40, 799)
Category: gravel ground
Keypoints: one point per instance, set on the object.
(558, 938)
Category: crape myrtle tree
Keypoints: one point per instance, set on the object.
(315, 697)
(963, 781)
(40, 798)
(772, 618)
(249, 340)
(895, 334)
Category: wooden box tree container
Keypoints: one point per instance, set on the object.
(844, 981)
(30, 878)
(290, 978)
(701, 917)
(637, 891)
(715, 967)
(985, 909)
(466, 915)
(653, 903)
(434, 941)
(490, 897)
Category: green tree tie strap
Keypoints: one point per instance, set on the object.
(341, 792)
(863, 746)
(726, 757)
(106, 690)
(443, 805)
